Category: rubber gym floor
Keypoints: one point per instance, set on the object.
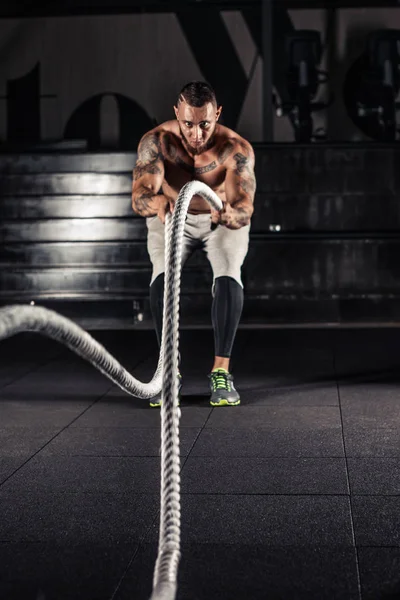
(293, 494)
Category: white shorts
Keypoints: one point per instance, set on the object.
(226, 248)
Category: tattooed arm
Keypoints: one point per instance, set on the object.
(240, 187)
(148, 176)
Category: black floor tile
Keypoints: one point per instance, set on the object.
(36, 412)
(211, 571)
(372, 428)
(137, 413)
(63, 380)
(266, 520)
(246, 442)
(284, 372)
(362, 398)
(11, 372)
(41, 571)
(376, 520)
(296, 418)
(45, 392)
(267, 383)
(9, 464)
(87, 474)
(227, 475)
(108, 441)
(254, 392)
(363, 439)
(371, 419)
(25, 441)
(75, 518)
(275, 430)
(379, 573)
(371, 475)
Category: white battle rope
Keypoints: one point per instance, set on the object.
(19, 318)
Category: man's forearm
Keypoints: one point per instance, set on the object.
(243, 210)
(145, 202)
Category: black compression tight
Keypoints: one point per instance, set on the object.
(156, 304)
(225, 313)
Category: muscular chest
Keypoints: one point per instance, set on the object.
(180, 170)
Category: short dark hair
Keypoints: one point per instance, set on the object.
(197, 94)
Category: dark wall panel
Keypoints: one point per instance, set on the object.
(76, 230)
(41, 254)
(325, 234)
(293, 212)
(273, 268)
(65, 183)
(65, 207)
(315, 268)
(326, 212)
(97, 162)
(90, 282)
(326, 169)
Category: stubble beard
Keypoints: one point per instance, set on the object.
(196, 150)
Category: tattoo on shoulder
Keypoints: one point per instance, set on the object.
(225, 150)
(149, 154)
(150, 148)
(242, 162)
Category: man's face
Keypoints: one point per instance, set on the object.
(197, 125)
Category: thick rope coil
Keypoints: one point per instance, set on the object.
(19, 318)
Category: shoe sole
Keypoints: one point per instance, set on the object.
(158, 404)
(224, 402)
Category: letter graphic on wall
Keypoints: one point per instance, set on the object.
(84, 123)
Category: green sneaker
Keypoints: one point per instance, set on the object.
(155, 402)
(223, 392)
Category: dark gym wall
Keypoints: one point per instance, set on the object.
(57, 70)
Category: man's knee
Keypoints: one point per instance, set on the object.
(227, 280)
(228, 285)
(156, 274)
